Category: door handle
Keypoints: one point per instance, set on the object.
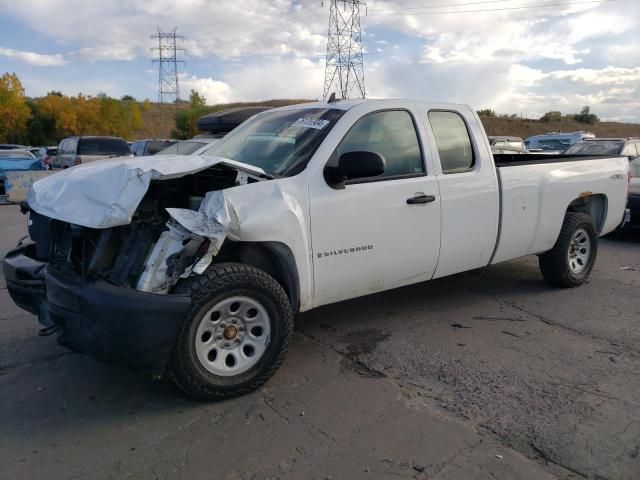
(421, 199)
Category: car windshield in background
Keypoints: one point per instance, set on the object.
(103, 146)
(595, 148)
(181, 148)
(156, 146)
(12, 154)
(279, 142)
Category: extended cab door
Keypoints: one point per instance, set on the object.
(469, 189)
(380, 232)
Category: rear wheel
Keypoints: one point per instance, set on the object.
(235, 335)
(570, 261)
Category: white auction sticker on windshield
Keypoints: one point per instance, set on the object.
(310, 123)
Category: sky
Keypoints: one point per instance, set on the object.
(513, 56)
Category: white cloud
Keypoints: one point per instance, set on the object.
(517, 60)
(32, 58)
(117, 51)
(214, 91)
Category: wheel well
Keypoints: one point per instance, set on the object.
(594, 206)
(274, 258)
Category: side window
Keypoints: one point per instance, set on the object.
(392, 135)
(453, 142)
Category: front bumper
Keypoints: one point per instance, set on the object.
(105, 321)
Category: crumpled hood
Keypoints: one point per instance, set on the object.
(106, 193)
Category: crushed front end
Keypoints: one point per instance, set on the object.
(107, 292)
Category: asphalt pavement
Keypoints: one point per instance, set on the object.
(486, 374)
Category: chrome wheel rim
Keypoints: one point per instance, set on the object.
(232, 336)
(579, 251)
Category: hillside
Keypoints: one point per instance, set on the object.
(158, 122)
(522, 127)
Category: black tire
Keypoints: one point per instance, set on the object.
(217, 283)
(554, 264)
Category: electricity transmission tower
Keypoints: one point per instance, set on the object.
(344, 69)
(168, 88)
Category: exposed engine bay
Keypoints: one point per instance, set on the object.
(175, 231)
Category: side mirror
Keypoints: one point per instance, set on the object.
(353, 165)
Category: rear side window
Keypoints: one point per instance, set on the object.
(453, 142)
(103, 146)
(392, 135)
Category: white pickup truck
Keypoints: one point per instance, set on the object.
(195, 265)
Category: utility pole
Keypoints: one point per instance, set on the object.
(344, 68)
(168, 87)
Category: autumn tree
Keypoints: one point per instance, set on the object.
(14, 111)
(186, 119)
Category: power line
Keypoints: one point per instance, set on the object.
(441, 5)
(344, 68)
(499, 9)
(168, 87)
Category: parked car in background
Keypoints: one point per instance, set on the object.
(507, 145)
(556, 141)
(188, 147)
(215, 126)
(10, 146)
(50, 156)
(76, 150)
(628, 147)
(150, 146)
(15, 160)
(634, 193)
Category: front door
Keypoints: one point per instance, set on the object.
(382, 232)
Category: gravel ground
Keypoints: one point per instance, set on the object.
(486, 374)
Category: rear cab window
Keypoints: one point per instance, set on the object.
(452, 141)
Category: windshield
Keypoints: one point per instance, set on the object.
(181, 148)
(634, 168)
(595, 148)
(279, 142)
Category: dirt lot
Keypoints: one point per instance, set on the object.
(487, 374)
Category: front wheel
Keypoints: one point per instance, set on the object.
(235, 335)
(570, 261)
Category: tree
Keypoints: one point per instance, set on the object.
(585, 116)
(128, 98)
(186, 119)
(196, 100)
(14, 111)
(486, 112)
(552, 116)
